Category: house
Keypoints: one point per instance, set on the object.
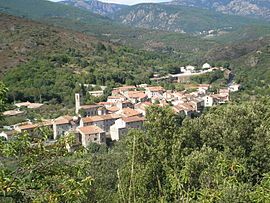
(96, 93)
(106, 104)
(124, 104)
(203, 88)
(116, 98)
(156, 91)
(190, 68)
(122, 126)
(113, 109)
(90, 110)
(208, 101)
(220, 98)
(102, 110)
(91, 134)
(183, 69)
(185, 108)
(7, 135)
(198, 104)
(128, 112)
(61, 125)
(13, 113)
(29, 105)
(168, 95)
(136, 96)
(141, 107)
(26, 128)
(104, 121)
(125, 89)
(206, 66)
(234, 87)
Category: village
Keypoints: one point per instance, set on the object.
(124, 109)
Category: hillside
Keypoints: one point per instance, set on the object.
(251, 8)
(180, 19)
(95, 6)
(22, 39)
(103, 28)
(41, 61)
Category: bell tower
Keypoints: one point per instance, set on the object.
(77, 102)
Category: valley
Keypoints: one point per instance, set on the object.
(151, 102)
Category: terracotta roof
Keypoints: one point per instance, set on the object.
(63, 120)
(35, 105)
(186, 107)
(28, 126)
(29, 105)
(89, 106)
(143, 105)
(116, 97)
(133, 119)
(100, 118)
(128, 112)
(126, 88)
(12, 113)
(92, 129)
(113, 109)
(136, 94)
(155, 88)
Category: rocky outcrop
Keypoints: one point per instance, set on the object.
(95, 6)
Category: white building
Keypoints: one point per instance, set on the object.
(61, 125)
(208, 101)
(122, 126)
(234, 87)
(206, 66)
(103, 121)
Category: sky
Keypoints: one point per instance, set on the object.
(128, 2)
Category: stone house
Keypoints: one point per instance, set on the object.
(91, 134)
(104, 121)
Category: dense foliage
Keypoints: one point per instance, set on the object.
(57, 77)
(222, 156)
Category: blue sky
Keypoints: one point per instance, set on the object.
(128, 2)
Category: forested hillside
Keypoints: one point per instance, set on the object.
(40, 61)
(104, 28)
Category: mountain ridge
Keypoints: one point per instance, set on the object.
(251, 8)
(105, 9)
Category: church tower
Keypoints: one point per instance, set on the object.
(77, 103)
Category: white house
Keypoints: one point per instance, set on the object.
(190, 68)
(98, 93)
(122, 125)
(154, 91)
(206, 66)
(61, 125)
(208, 101)
(103, 121)
(234, 87)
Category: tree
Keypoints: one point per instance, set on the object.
(33, 171)
(222, 156)
(3, 91)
